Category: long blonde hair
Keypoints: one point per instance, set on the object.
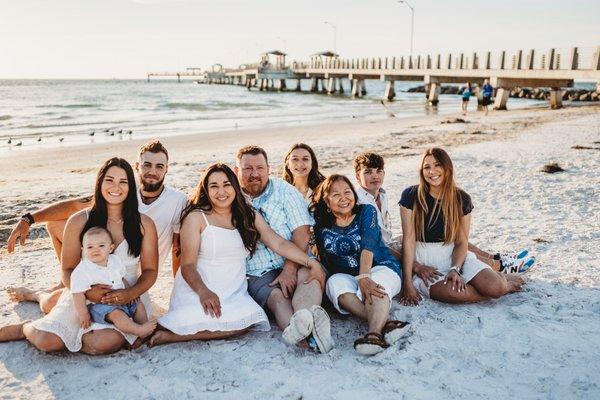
(449, 203)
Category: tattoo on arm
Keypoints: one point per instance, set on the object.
(86, 199)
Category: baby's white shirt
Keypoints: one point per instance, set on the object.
(88, 273)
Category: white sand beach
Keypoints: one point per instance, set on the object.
(542, 343)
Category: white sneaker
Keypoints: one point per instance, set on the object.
(517, 263)
(321, 331)
(301, 325)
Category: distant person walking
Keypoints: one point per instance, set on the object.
(466, 95)
(488, 92)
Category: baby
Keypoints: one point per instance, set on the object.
(98, 266)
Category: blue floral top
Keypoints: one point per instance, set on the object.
(340, 247)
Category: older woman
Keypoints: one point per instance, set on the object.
(365, 275)
(210, 297)
(115, 207)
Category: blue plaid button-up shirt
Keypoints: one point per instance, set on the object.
(284, 209)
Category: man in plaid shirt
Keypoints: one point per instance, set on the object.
(292, 292)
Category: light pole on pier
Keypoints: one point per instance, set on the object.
(334, 34)
(412, 23)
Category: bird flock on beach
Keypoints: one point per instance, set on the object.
(106, 132)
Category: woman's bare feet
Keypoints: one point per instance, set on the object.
(160, 337)
(20, 294)
(515, 283)
(9, 333)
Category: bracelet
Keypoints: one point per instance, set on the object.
(455, 268)
(29, 218)
(362, 276)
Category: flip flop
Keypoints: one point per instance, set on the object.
(395, 330)
(370, 344)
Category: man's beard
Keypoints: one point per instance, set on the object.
(151, 187)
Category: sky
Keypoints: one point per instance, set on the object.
(126, 38)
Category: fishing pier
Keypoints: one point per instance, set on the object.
(327, 73)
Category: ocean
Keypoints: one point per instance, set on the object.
(50, 113)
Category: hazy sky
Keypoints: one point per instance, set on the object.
(127, 38)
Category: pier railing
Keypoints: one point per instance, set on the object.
(575, 58)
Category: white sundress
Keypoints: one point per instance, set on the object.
(63, 320)
(222, 267)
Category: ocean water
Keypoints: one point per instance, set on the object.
(50, 113)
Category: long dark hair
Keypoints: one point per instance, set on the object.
(315, 177)
(132, 222)
(324, 218)
(242, 213)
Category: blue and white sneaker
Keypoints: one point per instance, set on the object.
(516, 263)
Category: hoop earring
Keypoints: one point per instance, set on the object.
(328, 209)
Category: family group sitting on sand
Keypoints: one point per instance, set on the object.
(245, 244)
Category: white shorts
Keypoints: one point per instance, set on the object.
(439, 255)
(338, 284)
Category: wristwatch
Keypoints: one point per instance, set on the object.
(28, 218)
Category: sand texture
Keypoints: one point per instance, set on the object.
(541, 343)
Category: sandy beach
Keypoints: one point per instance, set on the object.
(541, 343)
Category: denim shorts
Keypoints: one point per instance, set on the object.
(258, 286)
(99, 311)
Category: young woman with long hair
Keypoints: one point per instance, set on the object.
(301, 169)
(219, 231)
(365, 275)
(436, 219)
(115, 208)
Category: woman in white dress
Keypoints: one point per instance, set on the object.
(219, 230)
(115, 207)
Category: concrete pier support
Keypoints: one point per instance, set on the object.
(501, 99)
(340, 86)
(314, 85)
(355, 88)
(298, 83)
(433, 93)
(556, 96)
(390, 93)
(363, 87)
(264, 83)
(282, 86)
(330, 85)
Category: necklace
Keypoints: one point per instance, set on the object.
(146, 198)
(116, 221)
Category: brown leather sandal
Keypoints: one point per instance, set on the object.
(394, 330)
(370, 344)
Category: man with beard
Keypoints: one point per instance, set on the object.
(161, 203)
(292, 292)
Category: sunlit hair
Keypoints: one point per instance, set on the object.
(315, 177)
(323, 216)
(97, 231)
(449, 203)
(154, 146)
(132, 222)
(242, 213)
(368, 160)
